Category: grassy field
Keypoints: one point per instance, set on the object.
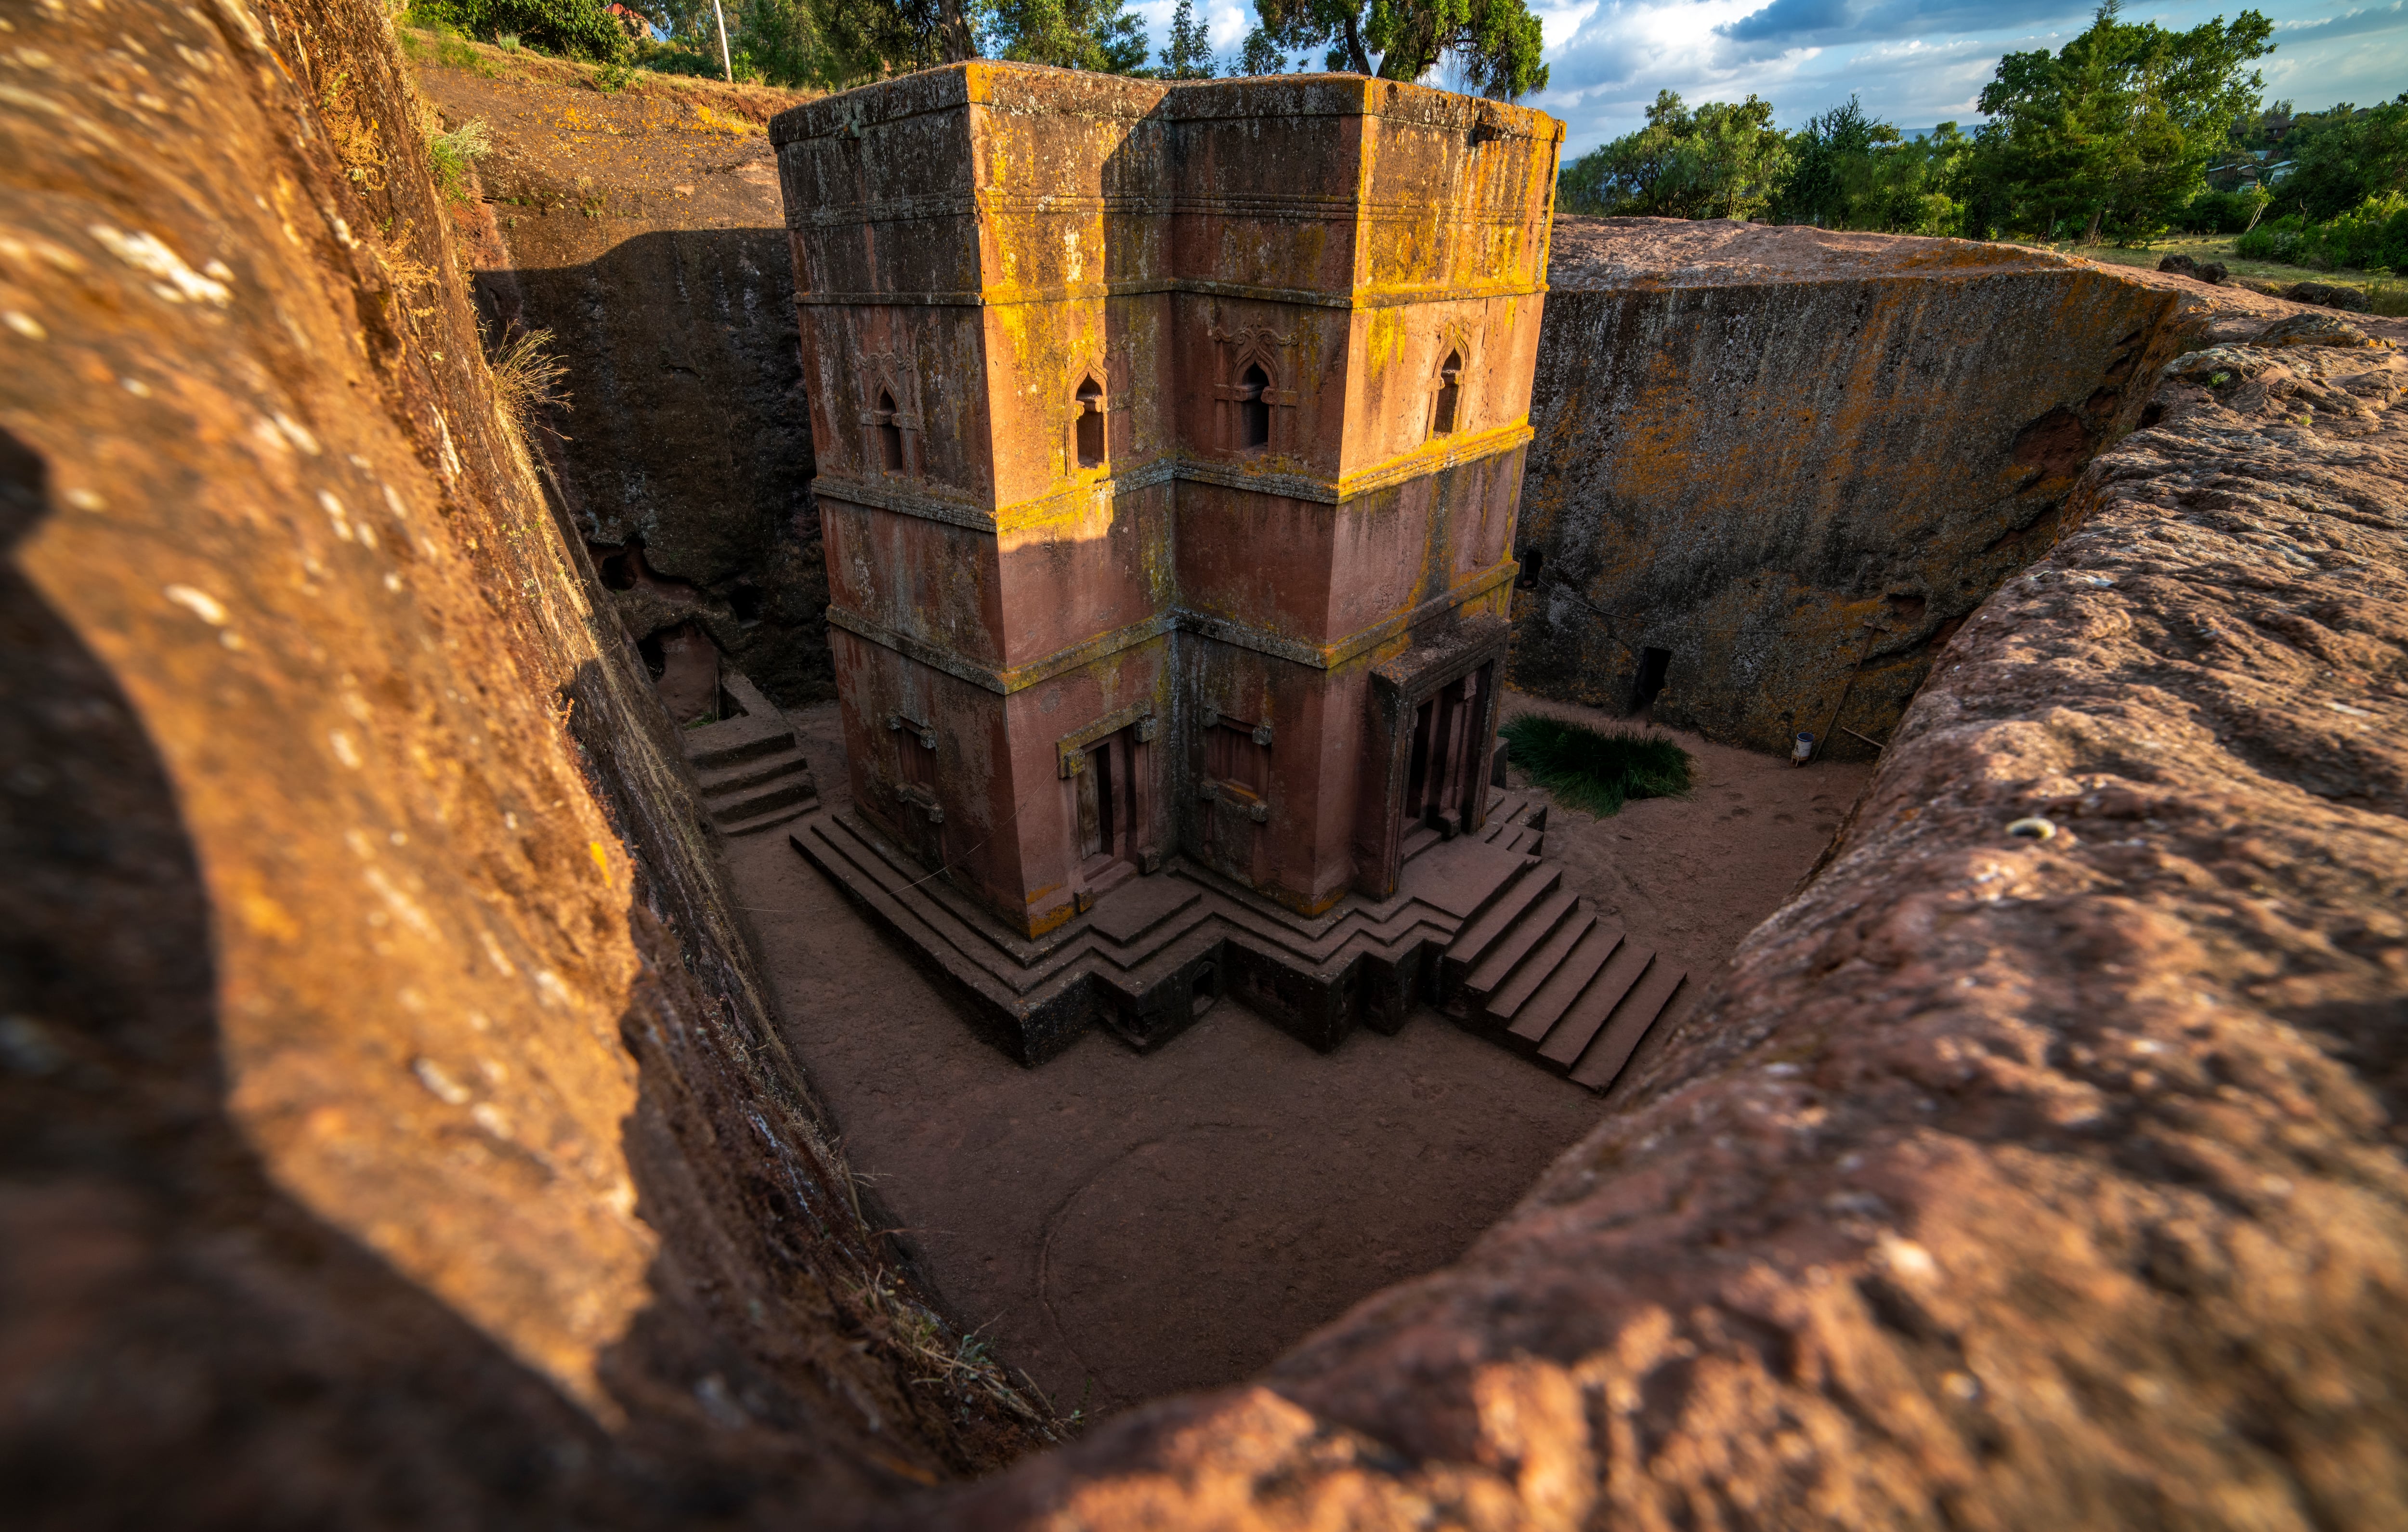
(2388, 294)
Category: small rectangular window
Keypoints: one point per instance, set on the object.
(1233, 759)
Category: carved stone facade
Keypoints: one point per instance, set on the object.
(1171, 442)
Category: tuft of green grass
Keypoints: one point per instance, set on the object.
(455, 155)
(1597, 769)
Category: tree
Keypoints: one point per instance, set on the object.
(1497, 42)
(1836, 182)
(1096, 35)
(2342, 157)
(1189, 53)
(1853, 171)
(2116, 129)
(1723, 159)
(580, 28)
(833, 44)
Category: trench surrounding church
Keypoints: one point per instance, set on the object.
(902, 910)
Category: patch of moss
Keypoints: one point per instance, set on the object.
(1598, 770)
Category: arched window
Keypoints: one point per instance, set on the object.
(1450, 393)
(1091, 425)
(1253, 408)
(890, 436)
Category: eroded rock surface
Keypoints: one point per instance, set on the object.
(2004, 1181)
(391, 1128)
(642, 228)
(1783, 463)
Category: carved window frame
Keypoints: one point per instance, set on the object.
(1084, 370)
(924, 736)
(1454, 340)
(891, 375)
(1209, 718)
(1255, 346)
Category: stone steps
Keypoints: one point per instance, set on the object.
(1477, 923)
(751, 774)
(1539, 973)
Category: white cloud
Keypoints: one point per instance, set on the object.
(1915, 62)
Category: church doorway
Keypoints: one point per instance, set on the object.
(1443, 765)
(1106, 797)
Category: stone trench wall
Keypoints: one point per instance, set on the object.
(642, 229)
(1794, 461)
(391, 1128)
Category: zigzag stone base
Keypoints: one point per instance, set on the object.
(1479, 925)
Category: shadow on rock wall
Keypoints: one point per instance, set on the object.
(684, 454)
(164, 1299)
(393, 1130)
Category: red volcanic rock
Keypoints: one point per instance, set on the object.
(2039, 1178)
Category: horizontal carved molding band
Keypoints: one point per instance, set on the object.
(1120, 99)
(1003, 298)
(1296, 208)
(1179, 619)
(1002, 682)
(1453, 452)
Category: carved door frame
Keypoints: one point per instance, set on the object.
(1399, 689)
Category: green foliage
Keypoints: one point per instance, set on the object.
(578, 28)
(1597, 769)
(613, 77)
(2115, 132)
(1721, 160)
(2373, 235)
(1261, 55)
(1855, 172)
(830, 44)
(1495, 43)
(1102, 36)
(427, 37)
(671, 58)
(455, 155)
(2342, 157)
(1188, 55)
(2222, 213)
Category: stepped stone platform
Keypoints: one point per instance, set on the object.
(1481, 926)
(750, 767)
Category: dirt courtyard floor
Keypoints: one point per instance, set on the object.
(1123, 1226)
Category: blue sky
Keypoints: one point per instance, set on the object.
(1915, 61)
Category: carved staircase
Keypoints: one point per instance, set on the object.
(752, 774)
(1480, 925)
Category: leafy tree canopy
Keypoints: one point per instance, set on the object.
(2117, 127)
(1098, 34)
(580, 28)
(2341, 158)
(1852, 171)
(1495, 42)
(1188, 55)
(1723, 159)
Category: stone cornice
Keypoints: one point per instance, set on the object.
(1004, 682)
(1434, 457)
(1003, 298)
